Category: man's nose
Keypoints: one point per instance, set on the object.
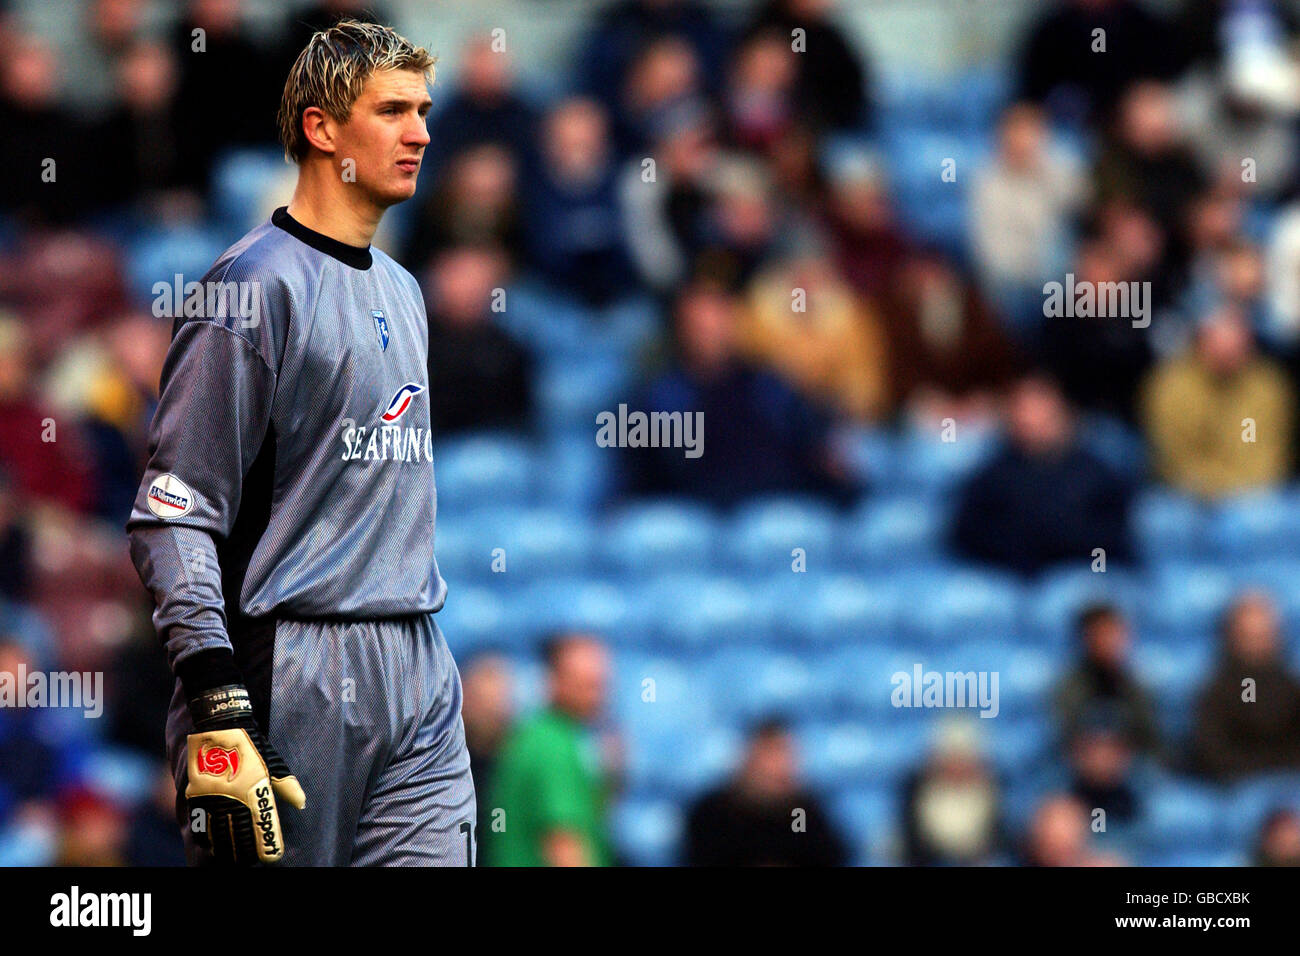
(418, 134)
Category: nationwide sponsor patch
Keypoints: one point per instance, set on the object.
(169, 497)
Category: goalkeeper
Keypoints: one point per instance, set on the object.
(285, 521)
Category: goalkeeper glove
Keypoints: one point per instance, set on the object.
(235, 776)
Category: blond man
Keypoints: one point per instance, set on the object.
(285, 521)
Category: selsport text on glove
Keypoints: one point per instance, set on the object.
(235, 776)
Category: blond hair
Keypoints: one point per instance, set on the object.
(332, 69)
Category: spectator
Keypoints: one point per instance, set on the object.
(484, 108)
(952, 804)
(762, 437)
(801, 320)
(548, 781)
(664, 219)
(1062, 66)
(871, 246)
(573, 227)
(1058, 835)
(40, 452)
(35, 132)
(1147, 162)
(1101, 765)
(1282, 273)
(1279, 840)
(151, 834)
(743, 222)
(1076, 346)
(759, 101)
(478, 376)
(1043, 499)
(948, 355)
(15, 545)
(620, 32)
(832, 82)
(94, 830)
(663, 87)
(220, 67)
(1103, 680)
(1219, 417)
(1020, 213)
(1247, 42)
(143, 130)
(475, 202)
(33, 761)
(763, 816)
(487, 711)
(1248, 713)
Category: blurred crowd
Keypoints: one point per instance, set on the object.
(723, 169)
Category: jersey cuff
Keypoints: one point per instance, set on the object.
(206, 670)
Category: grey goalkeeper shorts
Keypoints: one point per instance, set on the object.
(366, 714)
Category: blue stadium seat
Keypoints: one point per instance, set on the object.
(1025, 675)
(871, 820)
(948, 607)
(749, 683)
(648, 830)
(607, 607)
(1182, 815)
(576, 473)
(1174, 675)
(836, 609)
(844, 753)
(570, 393)
(1059, 596)
(927, 465)
(1250, 801)
(1016, 745)
(704, 611)
(762, 536)
(656, 694)
(483, 470)
(682, 763)
(547, 542)
(1169, 527)
(1257, 526)
(1185, 597)
(476, 617)
(895, 531)
(659, 537)
(241, 182)
(863, 673)
(159, 255)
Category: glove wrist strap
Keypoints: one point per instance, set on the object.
(225, 706)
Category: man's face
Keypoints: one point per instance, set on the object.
(579, 679)
(385, 136)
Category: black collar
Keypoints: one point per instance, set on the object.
(358, 257)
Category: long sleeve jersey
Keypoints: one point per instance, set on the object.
(290, 457)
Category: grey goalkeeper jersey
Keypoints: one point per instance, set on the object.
(290, 464)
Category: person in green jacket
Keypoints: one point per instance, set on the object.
(550, 791)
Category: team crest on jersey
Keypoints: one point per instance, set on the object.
(381, 326)
(401, 401)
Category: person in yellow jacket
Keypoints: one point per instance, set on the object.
(1219, 417)
(804, 322)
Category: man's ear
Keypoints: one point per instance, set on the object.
(319, 129)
